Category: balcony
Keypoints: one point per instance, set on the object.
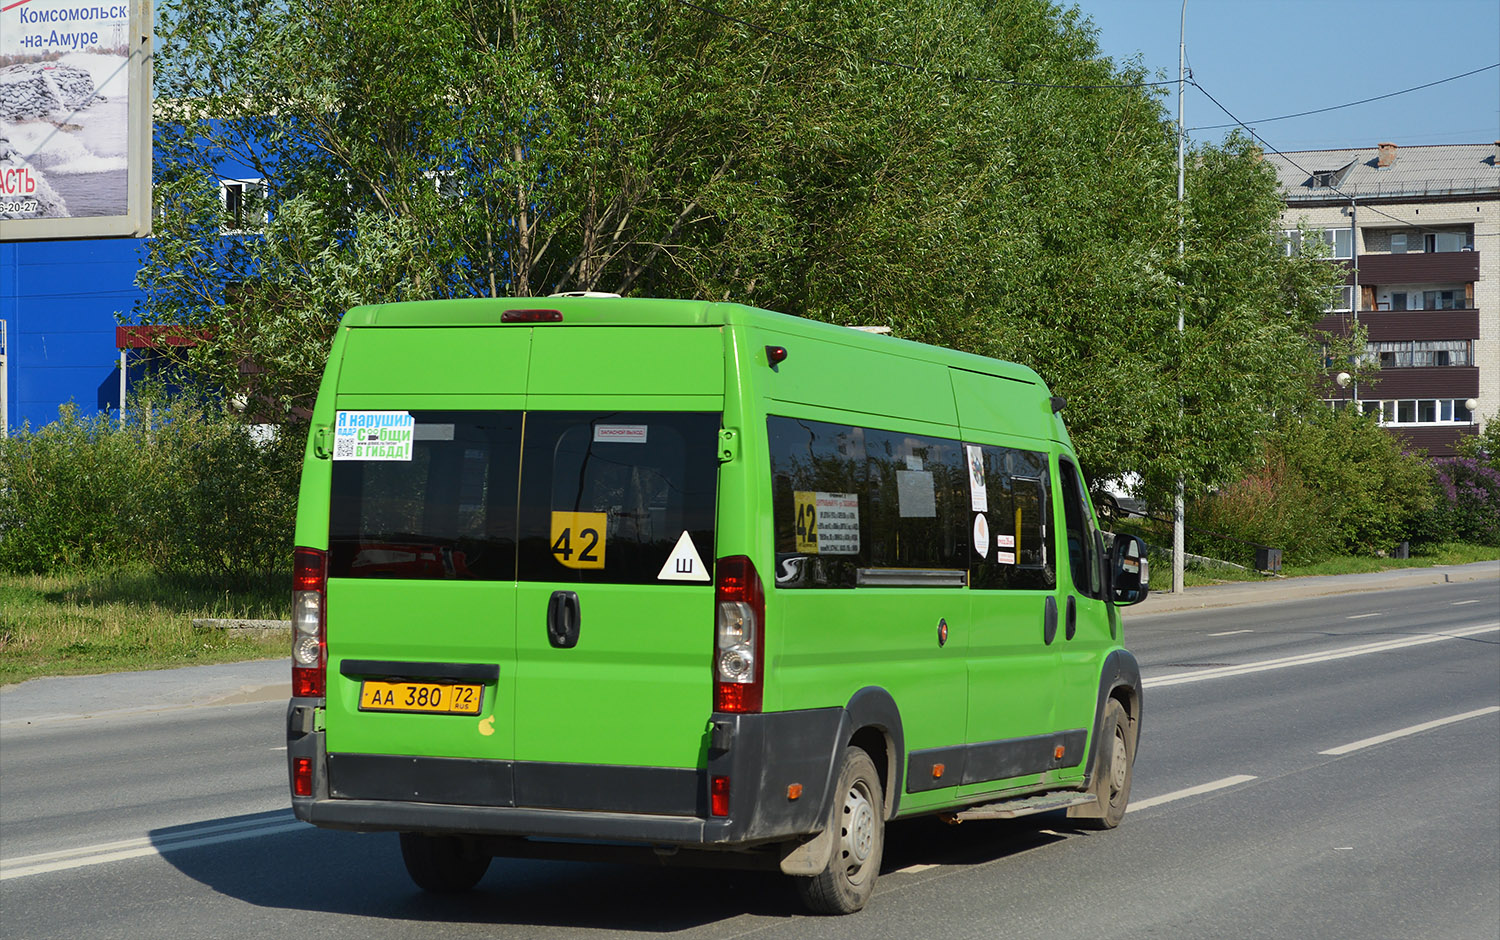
(1391, 325)
(1423, 382)
(1431, 267)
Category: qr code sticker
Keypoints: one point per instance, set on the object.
(343, 449)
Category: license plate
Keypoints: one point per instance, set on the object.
(440, 698)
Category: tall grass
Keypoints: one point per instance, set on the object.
(125, 619)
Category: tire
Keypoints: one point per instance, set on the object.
(442, 864)
(857, 820)
(1113, 764)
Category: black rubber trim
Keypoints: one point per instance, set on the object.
(391, 668)
(923, 764)
(378, 815)
(994, 760)
(1120, 673)
(873, 707)
(1018, 757)
(665, 791)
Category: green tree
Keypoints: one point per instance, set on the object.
(973, 174)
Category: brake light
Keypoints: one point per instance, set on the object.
(719, 796)
(740, 642)
(531, 316)
(309, 634)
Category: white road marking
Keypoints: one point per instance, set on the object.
(913, 869)
(1305, 659)
(1363, 616)
(1462, 603)
(1414, 729)
(1231, 632)
(1190, 791)
(193, 837)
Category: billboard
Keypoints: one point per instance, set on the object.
(75, 118)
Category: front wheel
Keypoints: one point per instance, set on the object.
(858, 824)
(442, 864)
(1116, 757)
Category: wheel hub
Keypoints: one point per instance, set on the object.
(859, 828)
(1117, 765)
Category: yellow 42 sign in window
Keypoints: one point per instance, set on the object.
(578, 538)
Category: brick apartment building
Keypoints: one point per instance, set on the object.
(1419, 228)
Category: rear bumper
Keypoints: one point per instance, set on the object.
(766, 758)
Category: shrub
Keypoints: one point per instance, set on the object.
(1331, 482)
(180, 487)
(1466, 503)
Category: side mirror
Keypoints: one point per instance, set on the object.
(1129, 571)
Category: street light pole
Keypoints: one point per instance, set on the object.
(1178, 539)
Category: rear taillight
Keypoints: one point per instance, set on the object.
(302, 777)
(309, 639)
(740, 640)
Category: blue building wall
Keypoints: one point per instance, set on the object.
(59, 300)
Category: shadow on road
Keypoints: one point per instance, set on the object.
(295, 867)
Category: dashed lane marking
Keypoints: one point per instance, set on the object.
(186, 838)
(1190, 791)
(1305, 659)
(1414, 729)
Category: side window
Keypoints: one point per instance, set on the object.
(1083, 554)
(619, 498)
(855, 506)
(1018, 552)
(447, 513)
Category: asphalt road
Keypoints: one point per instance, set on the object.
(1261, 808)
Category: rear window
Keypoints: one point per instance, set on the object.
(582, 497)
(619, 498)
(447, 513)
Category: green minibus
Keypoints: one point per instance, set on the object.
(697, 583)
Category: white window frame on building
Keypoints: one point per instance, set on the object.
(238, 197)
(1408, 412)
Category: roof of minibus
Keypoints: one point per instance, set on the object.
(639, 311)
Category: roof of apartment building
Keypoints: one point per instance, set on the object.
(1388, 171)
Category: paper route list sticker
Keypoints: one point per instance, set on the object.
(373, 435)
(827, 523)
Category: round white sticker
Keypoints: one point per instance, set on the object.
(982, 535)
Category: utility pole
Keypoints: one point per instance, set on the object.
(1178, 546)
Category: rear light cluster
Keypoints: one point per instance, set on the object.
(309, 637)
(740, 642)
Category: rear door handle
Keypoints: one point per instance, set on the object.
(563, 617)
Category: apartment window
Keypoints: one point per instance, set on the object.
(244, 204)
(1341, 299)
(1338, 241)
(1449, 241)
(1405, 354)
(1420, 411)
(1442, 300)
(1398, 244)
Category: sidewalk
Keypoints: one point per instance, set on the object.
(1275, 590)
(125, 693)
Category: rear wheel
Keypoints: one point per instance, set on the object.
(858, 825)
(1116, 757)
(442, 864)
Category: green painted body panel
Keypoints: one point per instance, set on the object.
(422, 621)
(608, 362)
(635, 690)
(988, 402)
(458, 361)
(638, 687)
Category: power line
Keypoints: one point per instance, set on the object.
(1285, 117)
(906, 66)
(1335, 189)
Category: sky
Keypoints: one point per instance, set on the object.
(1266, 58)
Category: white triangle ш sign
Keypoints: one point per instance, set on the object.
(684, 564)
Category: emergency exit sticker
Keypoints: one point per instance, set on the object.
(373, 435)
